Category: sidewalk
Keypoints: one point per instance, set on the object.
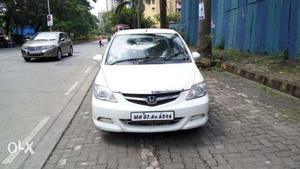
(280, 74)
(248, 128)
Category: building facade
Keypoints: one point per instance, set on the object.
(111, 4)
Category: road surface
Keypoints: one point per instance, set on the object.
(38, 98)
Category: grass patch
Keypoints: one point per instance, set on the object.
(269, 90)
(277, 66)
(292, 115)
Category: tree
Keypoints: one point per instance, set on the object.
(171, 18)
(135, 4)
(69, 15)
(163, 13)
(204, 38)
(126, 16)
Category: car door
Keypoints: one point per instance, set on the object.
(68, 43)
(62, 43)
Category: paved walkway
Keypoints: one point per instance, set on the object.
(248, 128)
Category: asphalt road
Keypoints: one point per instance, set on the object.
(35, 95)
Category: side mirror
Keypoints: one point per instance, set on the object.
(62, 39)
(97, 58)
(196, 55)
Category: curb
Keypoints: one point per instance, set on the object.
(281, 85)
(63, 120)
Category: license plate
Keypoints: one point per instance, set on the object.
(152, 116)
(35, 52)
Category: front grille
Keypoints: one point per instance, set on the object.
(36, 48)
(152, 99)
(151, 123)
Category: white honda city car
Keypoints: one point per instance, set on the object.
(149, 82)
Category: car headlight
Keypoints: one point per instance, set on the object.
(197, 90)
(103, 93)
(48, 47)
(24, 47)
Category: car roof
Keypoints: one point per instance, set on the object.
(145, 31)
(51, 32)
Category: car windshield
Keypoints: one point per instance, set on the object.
(46, 36)
(147, 49)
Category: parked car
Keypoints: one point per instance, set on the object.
(149, 82)
(47, 44)
(121, 27)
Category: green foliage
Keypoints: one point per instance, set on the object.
(147, 22)
(221, 44)
(126, 16)
(284, 55)
(171, 18)
(71, 16)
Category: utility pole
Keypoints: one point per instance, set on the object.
(204, 37)
(163, 13)
(49, 14)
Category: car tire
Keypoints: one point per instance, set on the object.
(71, 51)
(27, 59)
(59, 54)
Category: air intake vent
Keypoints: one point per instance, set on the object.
(152, 99)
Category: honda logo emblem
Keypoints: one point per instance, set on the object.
(151, 100)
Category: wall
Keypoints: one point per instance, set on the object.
(189, 20)
(257, 26)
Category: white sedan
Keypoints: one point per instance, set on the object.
(149, 82)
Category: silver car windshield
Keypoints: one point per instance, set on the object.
(46, 36)
(147, 49)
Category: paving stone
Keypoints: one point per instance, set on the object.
(244, 131)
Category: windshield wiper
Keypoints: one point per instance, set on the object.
(163, 59)
(127, 60)
(174, 55)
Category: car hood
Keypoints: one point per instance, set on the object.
(146, 79)
(34, 43)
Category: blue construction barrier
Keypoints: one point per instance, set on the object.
(257, 26)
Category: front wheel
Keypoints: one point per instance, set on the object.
(71, 51)
(59, 54)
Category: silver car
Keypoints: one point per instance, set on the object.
(47, 44)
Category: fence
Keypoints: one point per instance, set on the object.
(257, 26)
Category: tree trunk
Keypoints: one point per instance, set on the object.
(138, 17)
(163, 13)
(7, 26)
(204, 37)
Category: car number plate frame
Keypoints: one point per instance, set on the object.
(34, 52)
(153, 116)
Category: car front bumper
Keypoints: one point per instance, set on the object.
(44, 53)
(114, 117)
